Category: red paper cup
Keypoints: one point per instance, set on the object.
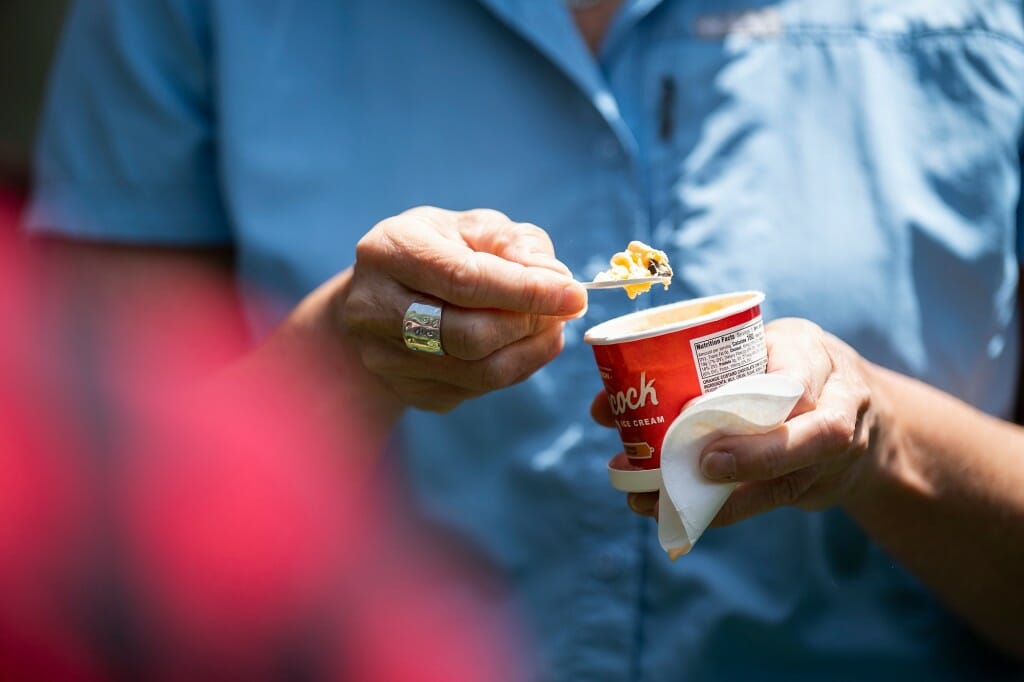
(654, 361)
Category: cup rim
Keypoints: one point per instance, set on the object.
(603, 334)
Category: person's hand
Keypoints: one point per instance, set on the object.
(505, 300)
(819, 458)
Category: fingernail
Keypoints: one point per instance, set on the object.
(574, 300)
(719, 466)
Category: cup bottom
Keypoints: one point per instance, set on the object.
(630, 478)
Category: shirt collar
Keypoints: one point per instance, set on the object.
(548, 26)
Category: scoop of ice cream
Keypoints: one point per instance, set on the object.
(638, 261)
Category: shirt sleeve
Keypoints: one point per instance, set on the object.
(126, 148)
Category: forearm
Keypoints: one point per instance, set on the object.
(506, 298)
(946, 499)
(310, 354)
(180, 303)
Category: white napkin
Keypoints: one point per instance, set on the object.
(689, 501)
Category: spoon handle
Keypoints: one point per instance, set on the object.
(618, 283)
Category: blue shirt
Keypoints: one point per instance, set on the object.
(859, 162)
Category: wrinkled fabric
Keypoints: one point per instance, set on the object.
(857, 161)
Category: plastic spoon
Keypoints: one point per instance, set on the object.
(619, 283)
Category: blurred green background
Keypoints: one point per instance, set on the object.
(28, 33)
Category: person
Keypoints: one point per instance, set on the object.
(152, 529)
(457, 165)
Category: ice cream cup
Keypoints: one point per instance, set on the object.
(654, 361)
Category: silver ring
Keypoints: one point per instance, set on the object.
(421, 327)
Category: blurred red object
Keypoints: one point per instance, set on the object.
(155, 530)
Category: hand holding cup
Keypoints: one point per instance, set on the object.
(822, 456)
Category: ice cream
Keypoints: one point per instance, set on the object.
(638, 261)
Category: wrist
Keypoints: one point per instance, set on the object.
(316, 340)
(889, 466)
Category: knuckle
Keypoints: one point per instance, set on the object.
(771, 463)
(475, 339)
(535, 324)
(532, 293)
(356, 311)
(497, 373)
(380, 243)
(421, 211)
(862, 440)
(836, 429)
(862, 435)
(458, 340)
(862, 396)
(730, 513)
(366, 247)
(535, 233)
(786, 490)
(504, 369)
(484, 215)
(463, 277)
(808, 400)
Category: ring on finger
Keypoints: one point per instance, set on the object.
(421, 326)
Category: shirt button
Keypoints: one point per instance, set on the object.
(608, 566)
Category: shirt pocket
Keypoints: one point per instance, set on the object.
(931, 90)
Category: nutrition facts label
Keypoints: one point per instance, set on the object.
(729, 354)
